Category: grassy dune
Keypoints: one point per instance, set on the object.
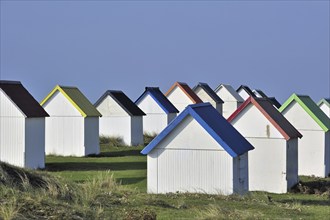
(112, 185)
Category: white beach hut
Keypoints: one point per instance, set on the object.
(158, 109)
(324, 105)
(181, 95)
(245, 92)
(314, 125)
(73, 126)
(199, 151)
(232, 100)
(206, 94)
(22, 127)
(260, 94)
(120, 117)
(273, 164)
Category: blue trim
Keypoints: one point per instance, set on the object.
(216, 137)
(164, 132)
(157, 95)
(159, 103)
(233, 151)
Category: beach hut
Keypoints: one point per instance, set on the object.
(120, 117)
(324, 105)
(158, 109)
(73, 126)
(260, 94)
(273, 164)
(22, 127)
(181, 95)
(206, 94)
(198, 152)
(314, 125)
(232, 100)
(245, 92)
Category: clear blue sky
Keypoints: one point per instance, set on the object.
(280, 47)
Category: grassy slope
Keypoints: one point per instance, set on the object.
(84, 189)
(126, 163)
(129, 167)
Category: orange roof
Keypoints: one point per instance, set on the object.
(187, 90)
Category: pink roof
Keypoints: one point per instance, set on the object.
(187, 90)
(272, 114)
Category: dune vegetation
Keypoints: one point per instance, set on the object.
(112, 185)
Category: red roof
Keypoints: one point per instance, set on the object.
(187, 90)
(272, 114)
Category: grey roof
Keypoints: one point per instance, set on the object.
(209, 91)
(126, 103)
(246, 89)
(261, 93)
(231, 90)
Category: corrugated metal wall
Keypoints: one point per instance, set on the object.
(35, 143)
(154, 123)
(195, 171)
(311, 147)
(12, 144)
(267, 162)
(267, 165)
(116, 126)
(190, 160)
(311, 153)
(65, 136)
(64, 127)
(12, 135)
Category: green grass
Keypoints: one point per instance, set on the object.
(112, 185)
(126, 163)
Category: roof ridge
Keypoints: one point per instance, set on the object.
(214, 124)
(277, 124)
(86, 108)
(311, 108)
(10, 82)
(67, 87)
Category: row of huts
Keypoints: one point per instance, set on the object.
(212, 141)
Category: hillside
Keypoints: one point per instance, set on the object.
(113, 185)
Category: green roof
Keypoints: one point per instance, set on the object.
(311, 108)
(77, 99)
(325, 101)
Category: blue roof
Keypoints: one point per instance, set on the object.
(159, 97)
(214, 123)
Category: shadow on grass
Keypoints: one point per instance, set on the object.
(307, 202)
(131, 180)
(90, 166)
(119, 153)
(312, 187)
